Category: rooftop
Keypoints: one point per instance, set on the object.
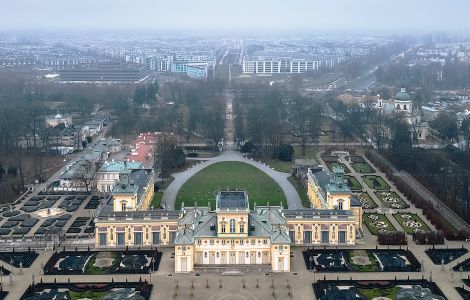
(232, 200)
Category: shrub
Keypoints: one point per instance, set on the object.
(432, 237)
(392, 238)
(192, 154)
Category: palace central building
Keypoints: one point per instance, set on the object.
(233, 233)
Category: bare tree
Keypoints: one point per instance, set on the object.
(86, 173)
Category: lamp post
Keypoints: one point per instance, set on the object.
(314, 270)
(311, 262)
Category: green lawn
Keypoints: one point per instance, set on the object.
(88, 294)
(332, 165)
(157, 199)
(373, 267)
(379, 218)
(363, 168)
(365, 200)
(375, 182)
(353, 183)
(404, 217)
(372, 293)
(391, 199)
(278, 165)
(203, 186)
(93, 270)
(301, 190)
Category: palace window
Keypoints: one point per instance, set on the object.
(222, 227)
(211, 242)
(242, 227)
(123, 206)
(253, 242)
(199, 242)
(340, 204)
(232, 226)
(223, 242)
(265, 242)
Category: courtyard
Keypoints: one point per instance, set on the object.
(201, 188)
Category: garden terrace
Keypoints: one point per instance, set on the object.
(376, 182)
(374, 289)
(111, 290)
(411, 223)
(391, 199)
(365, 200)
(361, 260)
(363, 168)
(353, 183)
(201, 188)
(103, 262)
(463, 266)
(446, 255)
(377, 223)
(15, 258)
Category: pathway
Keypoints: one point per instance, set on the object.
(169, 196)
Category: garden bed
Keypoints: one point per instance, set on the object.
(363, 168)
(365, 200)
(376, 182)
(411, 223)
(378, 223)
(352, 183)
(391, 199)
(446, 255)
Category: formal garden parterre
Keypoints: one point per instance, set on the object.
(103, 262)
(445, 255)
(411, 223)
(361, 260)
(377, 289)
(391, 199)
(353, 183)
(19, 259)
(366, 201)
(378, 223)
(96, 291)
(376, 182)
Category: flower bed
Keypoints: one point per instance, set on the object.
(375, 182)
(378, 223)
(391, 199)
(439, 256)
(365, 199)
(411, 223)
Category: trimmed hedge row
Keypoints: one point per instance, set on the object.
(433, 215)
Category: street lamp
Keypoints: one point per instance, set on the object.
(311, 262)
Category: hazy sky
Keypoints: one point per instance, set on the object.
(238, 15)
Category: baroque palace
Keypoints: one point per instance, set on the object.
(232, 232)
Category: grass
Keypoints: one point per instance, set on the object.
(353, 183)
(376, 182)
(202, 187)
(92, 270)
(363, 168)
(278, 165)
(157, 199)
(332, 165)
(373, 267)
(399, 205)
(94, 295)
(415, 218)
(371, 293)
(371, 203)
(375, 230)
(301, 190)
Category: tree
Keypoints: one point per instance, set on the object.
(305, 118)
(86, 173)
(401, 141)
(465, 127)
(446, 125)
(170, 155)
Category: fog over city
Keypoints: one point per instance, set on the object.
(245, 15)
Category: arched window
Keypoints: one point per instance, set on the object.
(242, 227)
(123, 206)
(340, 204)
(232, 225)
(222, 227)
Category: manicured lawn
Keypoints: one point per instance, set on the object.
(391, 199)
(377, 222)
(332, 165)
(411, 222)
(301, 190)
(372, 293)
(88, 294)
(353, 183)
(93, 270)
(157, 199)
(278, 165)
(203, 186)
(363, 168)
(365, 200)
(375, 182)
(372, 267)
